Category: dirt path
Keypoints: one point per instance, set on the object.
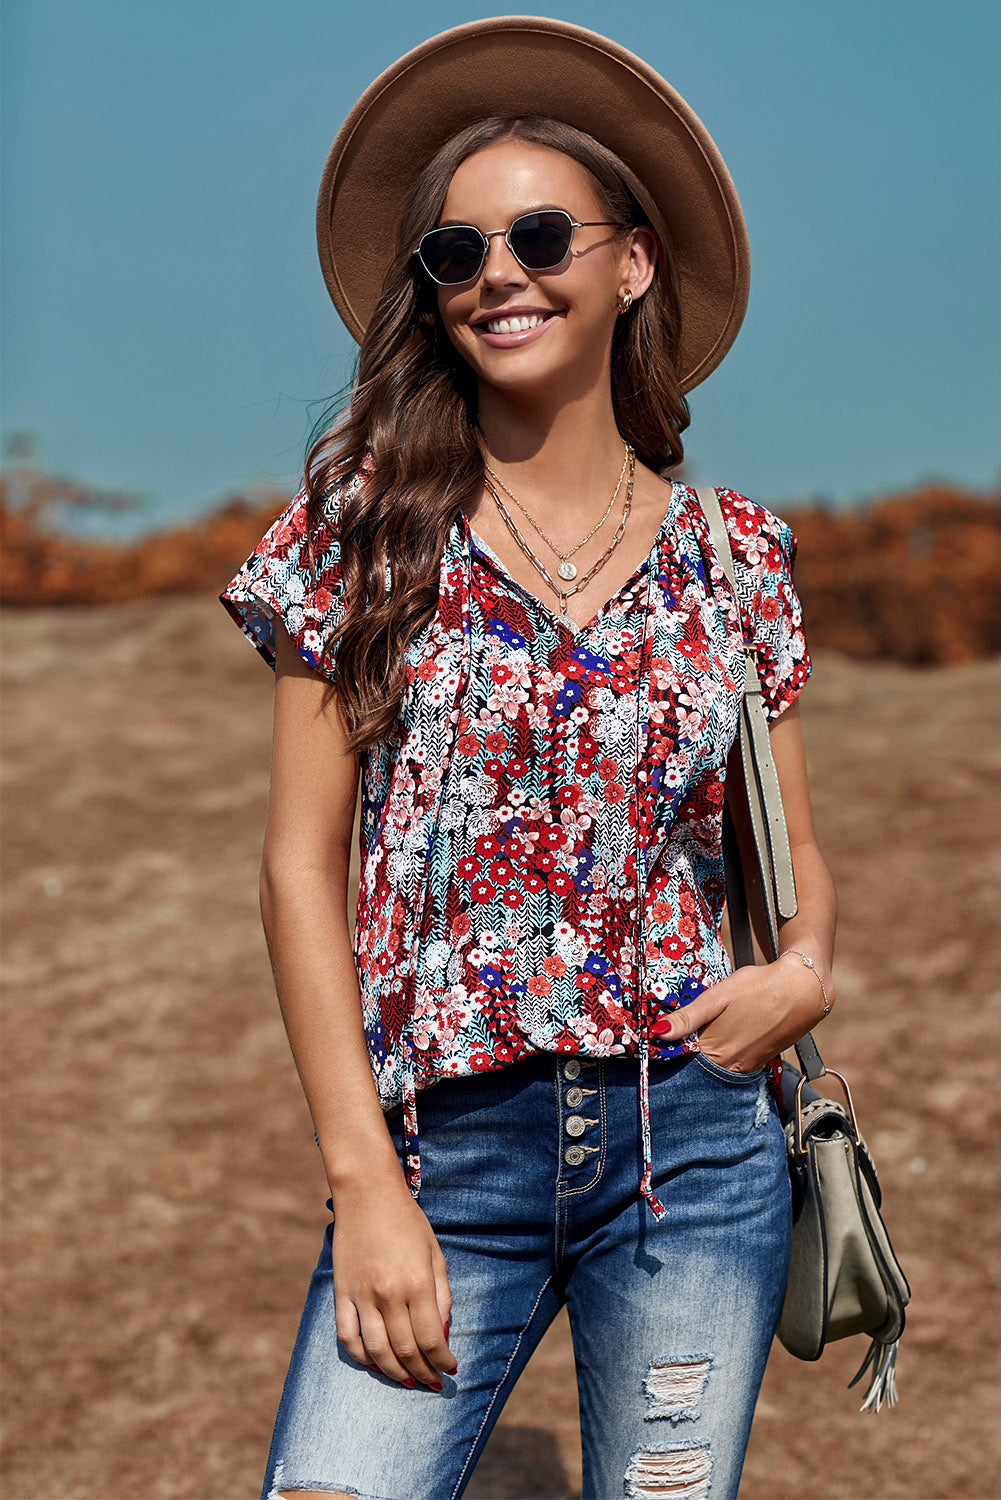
(165, 1202)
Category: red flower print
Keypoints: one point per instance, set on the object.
(535, 817)
(570, 796)
(283, 537)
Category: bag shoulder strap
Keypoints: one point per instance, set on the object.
(764, 800)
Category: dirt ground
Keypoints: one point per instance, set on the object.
(165, 1201)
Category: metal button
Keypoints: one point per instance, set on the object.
(575, 1125)
(574, 1155)
(574, 1097)
(571, 1068)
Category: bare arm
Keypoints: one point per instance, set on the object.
(813, 926)
(759, 1011)
(304, 881)
(390, 1280)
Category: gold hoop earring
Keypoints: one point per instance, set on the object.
(625, 302)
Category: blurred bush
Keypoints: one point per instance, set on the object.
(914, 577)
(40, 564)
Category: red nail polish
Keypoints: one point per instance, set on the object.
(411, 1383)
(448, 1324)
(437, 1387)
(663, 1027)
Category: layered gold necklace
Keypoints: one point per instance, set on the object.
(566, 569)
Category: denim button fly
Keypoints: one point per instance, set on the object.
(571, 1068)
(574, 1155)
(574, 1097)
(575, 1125)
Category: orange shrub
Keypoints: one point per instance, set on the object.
(914, 577)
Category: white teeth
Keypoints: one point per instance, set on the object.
(513, 325)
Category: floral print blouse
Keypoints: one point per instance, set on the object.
(540, 839)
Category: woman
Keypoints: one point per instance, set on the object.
(489, 603)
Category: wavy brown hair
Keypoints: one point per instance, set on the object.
(412, 417)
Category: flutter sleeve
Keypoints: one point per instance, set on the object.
(771, 616)
(276, 583)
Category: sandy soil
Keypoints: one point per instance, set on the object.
(165, 1201)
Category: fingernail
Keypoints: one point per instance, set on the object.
(448, 1324)
(662, 1027)
(436, 1385)
(411, 1383)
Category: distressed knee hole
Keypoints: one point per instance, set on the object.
(683, 1471)
(675, 1387)
(280, 1490)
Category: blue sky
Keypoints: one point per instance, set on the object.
(167, 330)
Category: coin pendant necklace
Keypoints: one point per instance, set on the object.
(540, 567)
(566, 569)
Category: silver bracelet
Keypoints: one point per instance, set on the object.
(808, 961)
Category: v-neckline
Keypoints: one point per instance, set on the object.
(491, 557)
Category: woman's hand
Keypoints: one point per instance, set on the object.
(391, 1287)
(752, 1015)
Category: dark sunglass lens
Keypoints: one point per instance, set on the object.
(452, 255)
(541, 241)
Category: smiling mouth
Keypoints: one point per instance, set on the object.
(515, 324)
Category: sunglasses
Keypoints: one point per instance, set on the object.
(539, 242)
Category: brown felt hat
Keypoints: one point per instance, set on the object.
(531, 65)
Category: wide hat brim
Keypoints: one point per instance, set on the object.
(532, 65)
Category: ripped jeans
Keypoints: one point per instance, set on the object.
(530, 1181)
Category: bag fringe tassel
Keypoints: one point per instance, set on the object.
(883, 1381)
